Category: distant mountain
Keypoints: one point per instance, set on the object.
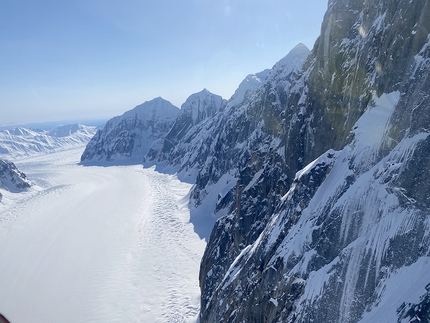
(68, 130)
(26, 142)
(128, 138)
(198, 108)
(313, 187)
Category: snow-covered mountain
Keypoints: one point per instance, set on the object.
(11, 179)
(317, 180)
(224, 146)
(196, 111)
(18, 142)
(127, 138)
(251, 83)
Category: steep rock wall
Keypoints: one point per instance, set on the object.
(355, 221)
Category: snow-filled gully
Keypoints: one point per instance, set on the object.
(98, 244)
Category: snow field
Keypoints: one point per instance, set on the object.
(98, 244)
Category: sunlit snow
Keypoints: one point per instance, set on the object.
(97, 244)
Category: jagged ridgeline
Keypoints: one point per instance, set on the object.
(315, 174)
(127, 138)
(328, 217)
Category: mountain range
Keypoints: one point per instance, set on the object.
(312, 185)
(19, 142)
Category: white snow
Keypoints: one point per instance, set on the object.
(371, 128)
(405, 285)
(202, 105)
(251, 83)
(98, 244)
(19, 142)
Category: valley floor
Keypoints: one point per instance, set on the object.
(97, 244)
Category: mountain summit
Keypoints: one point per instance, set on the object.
(127, 138)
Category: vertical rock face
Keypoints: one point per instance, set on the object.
(328, 219)
(127, 138)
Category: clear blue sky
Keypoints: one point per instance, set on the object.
(80, 59)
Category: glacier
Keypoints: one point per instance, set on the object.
(97, 244)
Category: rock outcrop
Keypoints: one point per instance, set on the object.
(11, 179)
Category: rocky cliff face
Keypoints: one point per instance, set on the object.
(328, 219)
(128, 138)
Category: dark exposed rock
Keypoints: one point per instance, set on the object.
(324, 251)
(11, 178)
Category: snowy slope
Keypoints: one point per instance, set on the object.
(18, 142)
(251, 83)
(337, 235)
(97, 244)
(128, 138)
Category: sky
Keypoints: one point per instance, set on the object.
(95, 59)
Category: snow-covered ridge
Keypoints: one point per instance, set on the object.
(349, 239)
(251, 83)
(19, 141)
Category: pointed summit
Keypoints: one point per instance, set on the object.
(202, 105)
(127, 138)
(294, 60)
